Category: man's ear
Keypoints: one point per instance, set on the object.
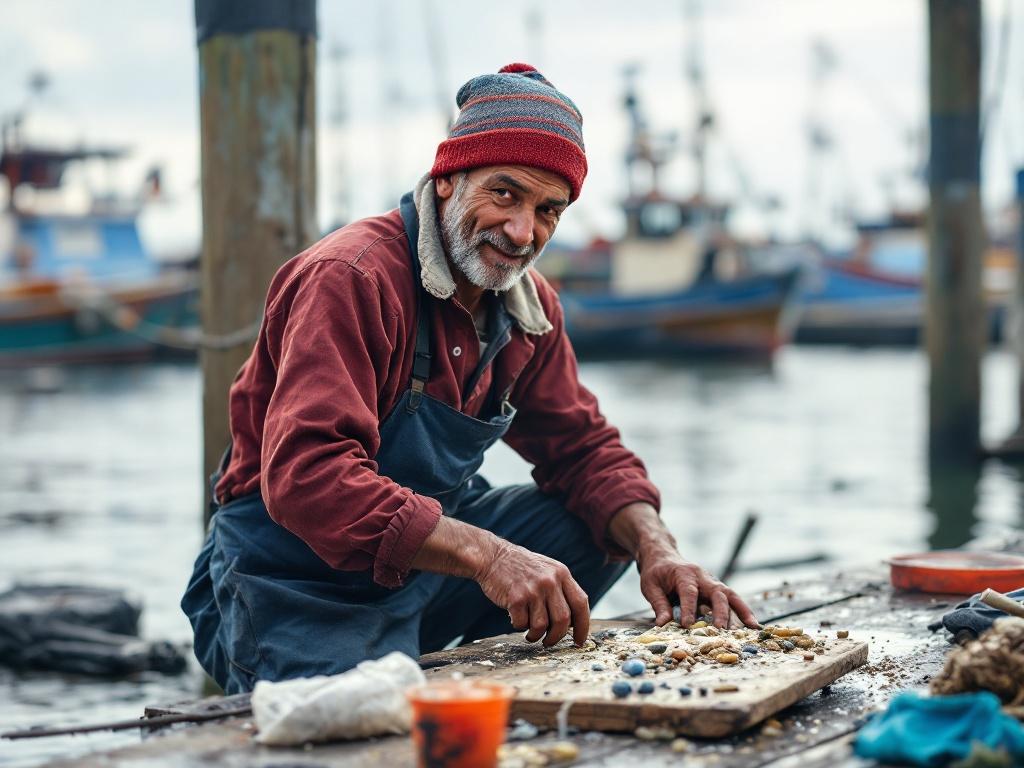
(444, 186)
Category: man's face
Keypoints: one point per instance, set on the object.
(497, 220)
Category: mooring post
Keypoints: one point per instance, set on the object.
(955, 324)
(257, 87)
(1013, 446)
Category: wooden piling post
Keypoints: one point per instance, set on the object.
(1013, 446)
(257, 78)
(955, 325)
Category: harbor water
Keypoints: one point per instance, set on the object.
(100, 484)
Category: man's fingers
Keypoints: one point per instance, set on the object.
(538, 620)
(743, 611)
(559, 617)
(688, 593)
(720, 608)
(662, 606)
(579, 604)
(519, 615)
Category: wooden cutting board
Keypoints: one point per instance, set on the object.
(546, 679)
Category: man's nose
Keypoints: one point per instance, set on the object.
(519, 228)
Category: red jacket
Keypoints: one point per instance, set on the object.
(333, 357)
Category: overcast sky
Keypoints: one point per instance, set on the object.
(125, 72)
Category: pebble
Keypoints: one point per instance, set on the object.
(652, 734)
(597, 667)
(703, 691)
(657, 648)
(666, 686)
(787, 645)
(842, 634)
(621, 689)
(808, 657)
(685, 690)
(645, 687)
(680, 745)
(634, 667)
(750, 648)
(727, 658)
(522, 730)
(729, 688)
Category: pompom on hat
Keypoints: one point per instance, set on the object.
(515, 117)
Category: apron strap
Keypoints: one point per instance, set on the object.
(424, 338)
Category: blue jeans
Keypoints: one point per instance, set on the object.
(263, 607)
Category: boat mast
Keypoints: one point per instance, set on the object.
(337, 121)
(698, 86)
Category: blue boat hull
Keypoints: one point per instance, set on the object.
(48, 328)
(751, 316)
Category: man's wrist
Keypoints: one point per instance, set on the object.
(638, 529)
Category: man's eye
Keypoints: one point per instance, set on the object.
(502, 193)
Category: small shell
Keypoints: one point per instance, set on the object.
(562, 751)
(786, 631)
(710, 645)
(698, 625)
(647, 637)
(727, 658)
(679, 654)
(701, 631)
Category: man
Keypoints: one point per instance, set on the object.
(351, 521)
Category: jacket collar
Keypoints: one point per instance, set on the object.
(521, 300)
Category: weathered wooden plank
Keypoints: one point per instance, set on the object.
(548, 678)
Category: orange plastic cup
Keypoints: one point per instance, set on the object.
(459, 723)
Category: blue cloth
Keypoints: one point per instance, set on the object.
(264, 606)
(919, 730)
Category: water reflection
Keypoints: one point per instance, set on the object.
(953, 501)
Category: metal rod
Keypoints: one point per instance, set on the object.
(741, 540)
(124, 725)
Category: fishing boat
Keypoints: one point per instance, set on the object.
(874, 294)
(79, 285)
(677, 283)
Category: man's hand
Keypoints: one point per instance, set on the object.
(664, 572)
(539, 594)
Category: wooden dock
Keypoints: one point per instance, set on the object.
(817, 730)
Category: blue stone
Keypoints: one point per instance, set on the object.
(685, 691)
(621, 689)
(597, 667)
(634, 667)
(749, 648)
(787, 645)
(646, 687)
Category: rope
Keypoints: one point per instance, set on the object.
(994, 662)
(128, 320)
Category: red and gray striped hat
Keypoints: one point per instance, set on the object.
(515, 117)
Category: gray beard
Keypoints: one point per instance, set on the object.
(464, 247)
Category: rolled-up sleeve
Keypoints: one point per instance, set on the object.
(576, 453)
(318, 480)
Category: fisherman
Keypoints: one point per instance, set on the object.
(350, 520)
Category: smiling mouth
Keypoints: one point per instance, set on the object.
(502, 255)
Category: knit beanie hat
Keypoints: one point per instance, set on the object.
(515, 117)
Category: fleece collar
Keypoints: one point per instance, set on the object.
(521, 300)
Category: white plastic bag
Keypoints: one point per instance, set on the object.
(366, 701)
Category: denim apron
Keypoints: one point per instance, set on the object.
(263, 605)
